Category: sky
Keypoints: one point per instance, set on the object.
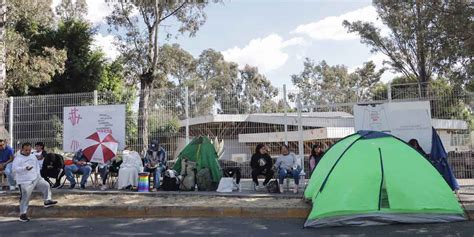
(274, 35)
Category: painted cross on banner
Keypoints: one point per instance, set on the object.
(74, 116)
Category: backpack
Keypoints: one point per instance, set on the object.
(170, 181)
(204, 180)
(187, 176)
(273, 186)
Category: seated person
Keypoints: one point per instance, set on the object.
(129, 169)
(40, 153)
(155, 162)
(287, 164)
(105, 170)
(79, 166)
(6, 161)
(261, 164)
(53, 167)
(316, 154)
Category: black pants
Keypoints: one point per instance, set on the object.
(266, 172)
(52, 173)
(233, 172)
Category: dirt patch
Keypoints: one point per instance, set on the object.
(143, 200)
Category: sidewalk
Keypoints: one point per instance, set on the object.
(113, 203)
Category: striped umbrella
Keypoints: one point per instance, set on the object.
(100, 147)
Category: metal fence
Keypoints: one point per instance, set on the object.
(239, 121)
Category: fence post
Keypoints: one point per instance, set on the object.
(419, 90)
(389, 92)
(96, 97)
(300, 133)
(286, 114)
(186, 109)
(10, 122)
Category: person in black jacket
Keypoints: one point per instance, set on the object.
(261, 164)
(53, 167)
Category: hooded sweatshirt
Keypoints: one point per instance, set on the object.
(22, 175)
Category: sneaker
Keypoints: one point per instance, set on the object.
(56, 185)
(12, 188)
(103, 187)
(254, 187)
(83, 186)
(50, 203)
(72, 186)
(295, 189)
(282, 189)
(24, 218)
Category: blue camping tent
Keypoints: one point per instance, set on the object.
(439, 159)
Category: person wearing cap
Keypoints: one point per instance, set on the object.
(155, 162)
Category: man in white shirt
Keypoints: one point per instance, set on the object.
(27, 173)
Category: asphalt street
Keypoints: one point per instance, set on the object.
(228, 227)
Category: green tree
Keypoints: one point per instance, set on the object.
(137, 38)
(257, 92)
(426, 38)
(30, 60)
(83, 66)
(323, 85)
(72, 10)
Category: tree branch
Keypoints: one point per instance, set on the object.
(173, 12)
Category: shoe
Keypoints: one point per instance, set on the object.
(50, 203)
(295, 189)
(153, 190)
(56, 185)
(83, 186)
(12, 188)
(103, 187)
(239, 187)
(282, 189)
(72, 186)
(255, 187)
(24, 218)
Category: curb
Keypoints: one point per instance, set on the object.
(156, 212)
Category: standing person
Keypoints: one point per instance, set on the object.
(6, 159)
(79, 165)
(261, 164)
(27, 172)
(287, 164)
(40, 153)
(155, 162)
(316, 154)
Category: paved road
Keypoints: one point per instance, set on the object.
(228, 227)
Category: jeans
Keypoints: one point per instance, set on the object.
(104, 173)
(294, 173)
(9, 173)
(74, 169)
(156, 175)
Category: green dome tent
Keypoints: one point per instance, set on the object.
(201, 150)
(372, 178)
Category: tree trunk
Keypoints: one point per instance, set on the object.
(145, 88)
(420, 37)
